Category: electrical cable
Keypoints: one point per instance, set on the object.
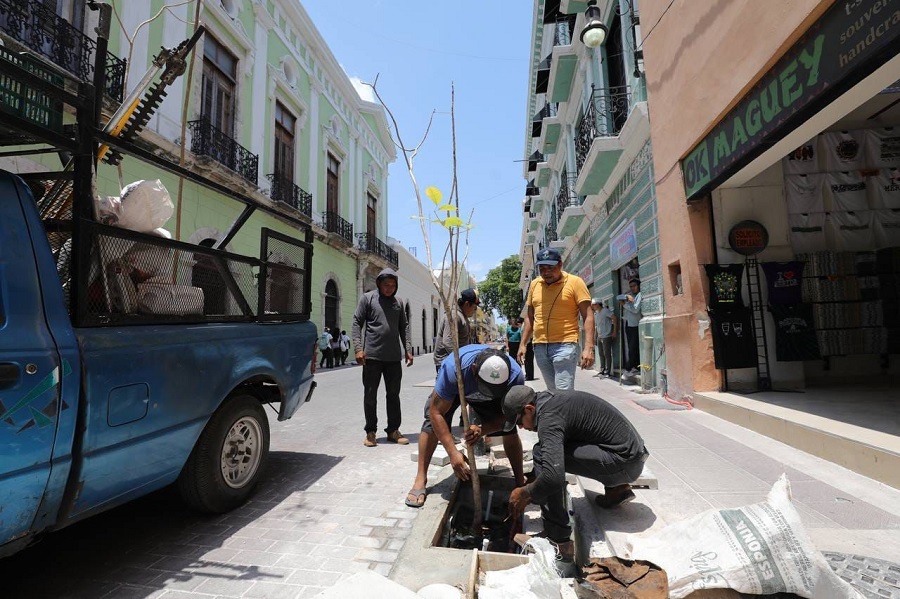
(646, 37)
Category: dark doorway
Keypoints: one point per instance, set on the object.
(331, 306)
(424, 331)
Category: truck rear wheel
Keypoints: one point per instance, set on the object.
(229, 457)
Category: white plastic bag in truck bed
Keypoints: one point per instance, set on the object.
(759, 549)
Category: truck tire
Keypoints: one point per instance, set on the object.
(229, 457)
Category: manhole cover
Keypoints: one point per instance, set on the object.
(874, 578)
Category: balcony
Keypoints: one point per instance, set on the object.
(32, 25)
(372, 245)
(208, 140)
(284, 191)
(563, 63)
(333, 223)
(597, 148)
(537, 122)
(542, 75)
(547, 127)
(568, 207)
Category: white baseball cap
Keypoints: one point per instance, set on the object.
(492, 368)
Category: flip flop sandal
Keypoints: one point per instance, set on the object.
(419, 494)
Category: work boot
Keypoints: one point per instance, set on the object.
(370, 440)
(615, 496)
(396, 437)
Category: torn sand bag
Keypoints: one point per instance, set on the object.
(760, 549)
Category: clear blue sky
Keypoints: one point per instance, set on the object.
(419, 47)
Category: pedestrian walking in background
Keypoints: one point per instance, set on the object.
(554, 302)
(465, 308)
(381, 337)
(335, 349)
(529, 360)
(325, 347)
(606, 323)
(513, 337)
(345, 347)
(631, 315)
(578, 433)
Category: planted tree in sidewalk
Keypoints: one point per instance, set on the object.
(446, 215)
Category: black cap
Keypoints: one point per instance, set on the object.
(548, 257)
(469, 295)
(516, 399)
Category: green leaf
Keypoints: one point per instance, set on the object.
(434, 194)
(453, 221)
(447, 208)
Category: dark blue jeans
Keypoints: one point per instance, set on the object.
(372, 372)
(589, 461)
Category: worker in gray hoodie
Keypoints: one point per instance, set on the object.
(380, 336)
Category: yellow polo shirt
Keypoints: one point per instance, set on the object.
(556, 308)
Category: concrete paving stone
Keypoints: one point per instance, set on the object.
(175, 594)
(179, 581)
(854, 514)
(172, 564)
(764, 468)
(367, 542)
(177, 549)
(383, 569)
(127, 591)
(298, 548)
(404, 514)
(273, 590)
(717, 479)
(299, 562)
(131, 575)
(224, 587)
(390, 533)
(379, 521)
(209, 528)
(243, 544)
(314, 578)
(377, 555)
(358, 530)
(816, 490)
(323, 538)
(270, 535)
(309, 592)
(809, 518)
(395, 544)
(220, 554)
(689, 457)
(254, 558)
(670, 440)
(344, 567)
(332, 551)
(209, 541)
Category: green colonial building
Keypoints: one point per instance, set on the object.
(589, 167)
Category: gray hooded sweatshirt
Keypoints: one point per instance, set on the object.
(380, 327)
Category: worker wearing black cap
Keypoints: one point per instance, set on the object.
(578, 433)
(466, 306)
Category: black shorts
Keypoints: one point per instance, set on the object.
(489, 410)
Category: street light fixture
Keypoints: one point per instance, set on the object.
(594, 31)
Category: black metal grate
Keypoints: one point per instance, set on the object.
(283, 277)
(604, 116)
(373, 245)
(333, 223)
(285, 191)
(134, 278)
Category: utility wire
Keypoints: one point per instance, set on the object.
(646, 37)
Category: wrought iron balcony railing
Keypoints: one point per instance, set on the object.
(333, 223)
(566, 195)
(371, 244)
(208, 140)
(285, 191)
(39, 28)
(605, 116)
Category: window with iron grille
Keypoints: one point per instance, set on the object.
(218, 87)
(332, 184)
(285, 123)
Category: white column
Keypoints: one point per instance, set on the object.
(259, 98)
(315, 131)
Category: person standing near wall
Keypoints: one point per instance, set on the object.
(380, 330)
(631, 315)
(325, 347)
(554, 302)
(345, 347)
(606, 334)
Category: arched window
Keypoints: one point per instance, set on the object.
(331, 305)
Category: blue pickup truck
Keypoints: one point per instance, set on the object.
(130, 361)
(92, 417)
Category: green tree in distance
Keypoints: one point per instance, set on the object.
(501, 291)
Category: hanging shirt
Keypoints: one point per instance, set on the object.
(887, 227)
(843, 150)
(807, 232)
(734, 345)
(882, 147)
(803, 193)
(784, 281)
(884, 189)
(725, 285)
(802, 161)
(848, 191)
(852, 230)
(795, 333)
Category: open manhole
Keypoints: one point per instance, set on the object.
(455, 527)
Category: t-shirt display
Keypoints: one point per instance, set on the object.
(884, 189)
(795, 333)
(804, 193)
(883, 147)
(848, 191)
(843, 150)
(784, 281)
(887, 227)
(807, 232)
(734, 345)
(725, 285)
(803, 160)
(852, 230)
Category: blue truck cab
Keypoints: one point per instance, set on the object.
(131, 361)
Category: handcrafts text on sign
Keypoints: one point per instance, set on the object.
(748, 238)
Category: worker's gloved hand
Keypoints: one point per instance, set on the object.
(472, 435)
(460, 466)
(518, 501)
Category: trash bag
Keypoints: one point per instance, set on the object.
(760, 549)
(145, 206)
(538, 579)
(617, 578)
